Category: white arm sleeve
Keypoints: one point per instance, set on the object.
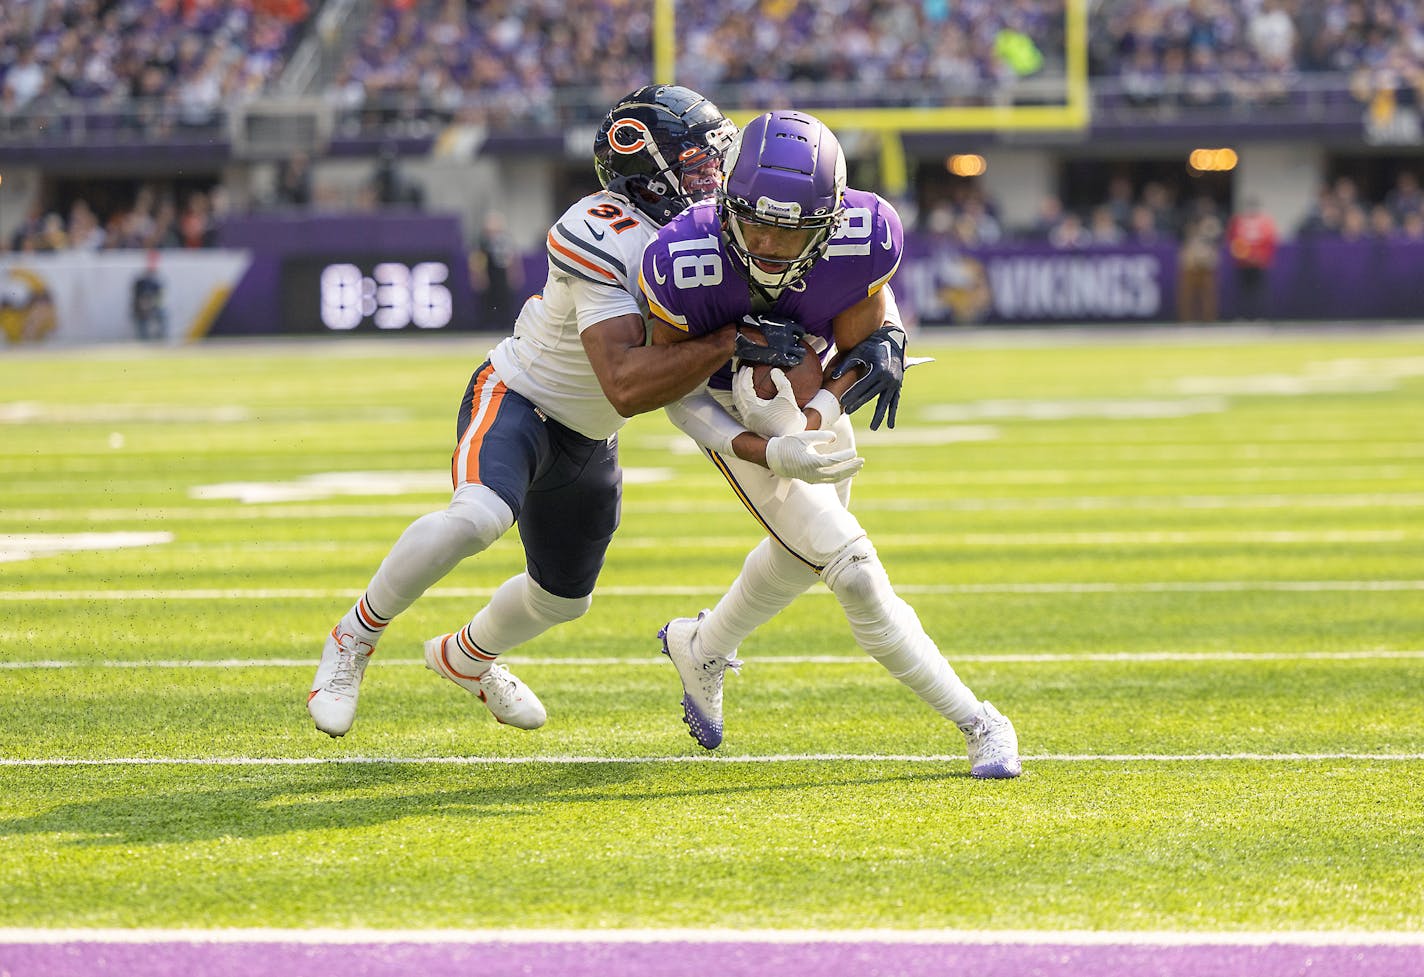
(701, 418)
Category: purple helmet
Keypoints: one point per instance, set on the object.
(781, 196)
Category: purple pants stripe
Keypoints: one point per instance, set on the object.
(663, 959)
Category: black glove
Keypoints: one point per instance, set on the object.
(882, 354)
(783, 342)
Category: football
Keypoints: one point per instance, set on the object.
(805, 377)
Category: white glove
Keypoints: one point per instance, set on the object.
(795, 456)
(769, 418)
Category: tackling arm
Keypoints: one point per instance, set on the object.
(703, 419)
(637, 378)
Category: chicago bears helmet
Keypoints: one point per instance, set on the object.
(655, 147)
(780, 198)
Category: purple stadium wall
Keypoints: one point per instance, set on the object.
(937, 284)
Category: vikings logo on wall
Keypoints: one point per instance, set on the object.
(964, 287)
(26, 307)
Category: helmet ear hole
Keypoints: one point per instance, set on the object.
(648, 137)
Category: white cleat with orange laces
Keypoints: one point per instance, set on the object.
(510, 700)
(332, 701)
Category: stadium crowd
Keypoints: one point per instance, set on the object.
(1154, 213)
(155, 218)
(503, 61)
(498, 60)
(1215, 52)
(190, 55)
(428, 61)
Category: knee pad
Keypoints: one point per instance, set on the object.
(550, 607)
(479, 516)
(855, 575)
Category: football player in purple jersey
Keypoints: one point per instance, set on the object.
(789, 248)
(537, 427)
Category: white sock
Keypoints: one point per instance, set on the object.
(770, 580)
(890, 631)
(519, 610)
(429, 549)
(363, 621)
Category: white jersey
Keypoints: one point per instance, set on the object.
(595, 250)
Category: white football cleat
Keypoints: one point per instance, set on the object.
(512, 702)
(332, 702)
(701, 679)
(993, 745)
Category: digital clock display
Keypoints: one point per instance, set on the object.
(378, 295)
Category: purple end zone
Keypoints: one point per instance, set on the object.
(727, 959)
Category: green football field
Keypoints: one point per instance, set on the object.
(1188, 565)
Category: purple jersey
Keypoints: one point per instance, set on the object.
(690, 279)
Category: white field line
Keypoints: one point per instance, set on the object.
(1154, 538)
(765, 936)
(41, 545)
(234, 513)
(775, 758)
(657, 660)
(1150, 587)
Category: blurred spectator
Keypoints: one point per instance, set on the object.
(1120, 199)
(1272, 33)
(389, 186)
(1070, 233)
(1103, 229)
(1405, 197)
(294, 186)
(1324, 219)
(21, 237)
(1142, 226)
(51, 235)
(1157, 198)
(24, 80)
(1050, 213)
(195, 226)
(85, 234)
(1355, 226)
(146, 307)
(1198, 259)
(1381, 222)
(1251, 239)
(494, 268)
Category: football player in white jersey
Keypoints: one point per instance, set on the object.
(537, 428)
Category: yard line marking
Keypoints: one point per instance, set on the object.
(727, 935)
(15, 547)
(773, 758)
(1187, 537)
(234, 513)
(657, 660)
(882, 540)
(1103, 587)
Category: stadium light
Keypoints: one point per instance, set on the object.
(966, 164)
(1212, 160)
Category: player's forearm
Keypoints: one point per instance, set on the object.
(750, 446)
(650, 377)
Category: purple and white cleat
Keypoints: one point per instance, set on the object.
(701, 679)
(993, 745)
